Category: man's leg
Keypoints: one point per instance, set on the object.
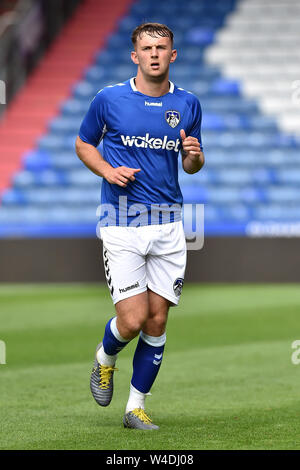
(131, 316)
(121, 329)
(147, 360)
(165, 273)
(125, 270)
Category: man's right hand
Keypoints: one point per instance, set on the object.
(92, 158)
(120, 175)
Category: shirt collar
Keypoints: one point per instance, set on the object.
(133, 87)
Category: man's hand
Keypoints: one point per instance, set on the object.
(120, 175)
(190, 145)
(192, 156)
(92, 158)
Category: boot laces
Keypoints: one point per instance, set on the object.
(105, 373)
(141, 414)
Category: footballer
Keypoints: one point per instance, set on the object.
(145, 123)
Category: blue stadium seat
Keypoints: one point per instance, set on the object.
(225, 87)
(52, 142)
(283, 194)
(85, 90)
(200, 36)
(276, 212)
(96, 73)
(74, 107)
(65, 125)
(36, 160)
(193, 194)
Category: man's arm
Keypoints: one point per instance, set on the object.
(192, 156)
(92, 158)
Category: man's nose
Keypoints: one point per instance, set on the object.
(154, 52)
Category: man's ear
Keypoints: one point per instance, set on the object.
(173, 56)
(134, 58)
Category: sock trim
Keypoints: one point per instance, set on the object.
(134, 389)
(115, 331)
(155, 341)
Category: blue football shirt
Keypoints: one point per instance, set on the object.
(141, 131)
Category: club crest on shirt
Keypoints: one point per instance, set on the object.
(172, 118)
(177, 286)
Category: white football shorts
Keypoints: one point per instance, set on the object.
(137, 258)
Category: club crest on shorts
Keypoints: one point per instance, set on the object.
(177, 286)
(172, 118)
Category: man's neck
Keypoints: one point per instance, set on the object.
(152, 88)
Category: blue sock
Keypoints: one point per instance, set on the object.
(112, 340)
(147, 360)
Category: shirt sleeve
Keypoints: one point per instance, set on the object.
(196, 120)
(93, 126)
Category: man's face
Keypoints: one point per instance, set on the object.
(153, 55)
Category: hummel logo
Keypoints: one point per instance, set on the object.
(157, 356)
(150, 103)
(133, 286)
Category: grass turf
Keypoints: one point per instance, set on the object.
(226, 382)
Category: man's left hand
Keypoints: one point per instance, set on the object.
(190, 145)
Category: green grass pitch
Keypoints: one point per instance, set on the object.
(227, 380)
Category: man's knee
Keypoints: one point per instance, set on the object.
(160, 321)
(156, 323)
(131, 316)
(134, 324)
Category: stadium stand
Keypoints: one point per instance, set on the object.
(251, 176)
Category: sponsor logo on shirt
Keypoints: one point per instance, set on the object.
(153, 103)
(151, 142)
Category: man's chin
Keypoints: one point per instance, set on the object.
(157, 75)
